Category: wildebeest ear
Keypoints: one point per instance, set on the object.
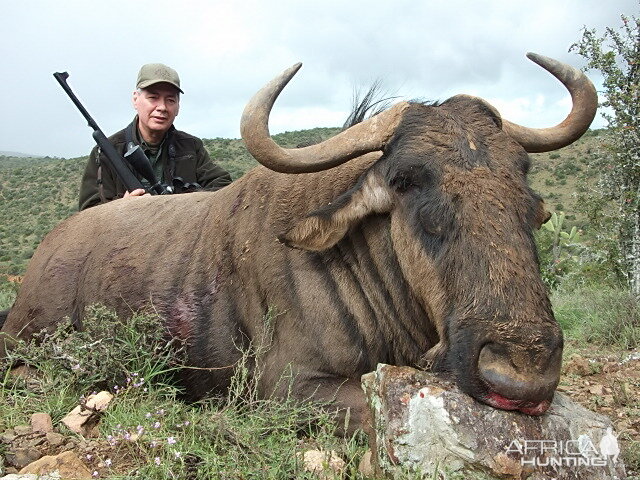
(325, 227)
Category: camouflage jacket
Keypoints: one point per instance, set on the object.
(192, 164)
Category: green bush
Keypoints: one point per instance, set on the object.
(106, 352)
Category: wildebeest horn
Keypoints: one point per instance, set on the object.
(357, 140)
(585, 103)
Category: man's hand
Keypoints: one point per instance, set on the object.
(138, 192)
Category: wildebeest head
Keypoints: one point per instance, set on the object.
(453, 179)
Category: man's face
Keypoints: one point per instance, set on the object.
(157, 107)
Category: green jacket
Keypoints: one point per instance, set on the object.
(192, 164)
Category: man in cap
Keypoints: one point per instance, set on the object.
(174, 155)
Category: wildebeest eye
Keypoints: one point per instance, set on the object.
(429, 223)
(402, 181)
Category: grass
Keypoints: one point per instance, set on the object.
(599, 315)
(148, 431)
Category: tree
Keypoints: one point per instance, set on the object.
(616, 55)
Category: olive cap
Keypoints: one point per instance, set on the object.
(152, 73)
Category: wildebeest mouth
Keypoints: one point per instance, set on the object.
(530, 408)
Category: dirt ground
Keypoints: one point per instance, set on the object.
(608, 383)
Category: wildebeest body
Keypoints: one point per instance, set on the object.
(212, 266)
(421, 254)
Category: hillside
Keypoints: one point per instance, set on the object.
(37, 193)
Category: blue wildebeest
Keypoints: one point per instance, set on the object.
(406, 239)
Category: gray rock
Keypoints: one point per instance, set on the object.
(22, 429)
(21, 457)
(425, 424)
(55, 439)
(8, 436)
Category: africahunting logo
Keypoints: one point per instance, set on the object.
(567, 453)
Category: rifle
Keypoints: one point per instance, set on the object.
(137, 159)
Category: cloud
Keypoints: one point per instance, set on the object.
(226, 50)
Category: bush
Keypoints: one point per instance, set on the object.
(105, 353)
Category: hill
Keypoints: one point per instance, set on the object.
(37, 193)
(16, 154)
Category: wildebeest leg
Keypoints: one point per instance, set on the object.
(344, 395)
(3, 316)
(348, 397)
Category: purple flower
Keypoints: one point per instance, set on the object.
(171, 440)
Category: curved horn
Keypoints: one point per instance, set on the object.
(585, 103)
(367, 136)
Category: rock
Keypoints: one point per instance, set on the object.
(22, 429)
(84, 418)
(32, 476)
(21, 457)
(55, 439)
(35, 442)
(100, 401)
(578, 365)
(8, 436)
(67, 464)
(365, 467)
(426, 424)
(324, 465)
(41, 422)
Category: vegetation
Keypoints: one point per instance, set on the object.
(584, 251)
(613, 205)
(148, 432)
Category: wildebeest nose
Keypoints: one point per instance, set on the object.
(518, 373)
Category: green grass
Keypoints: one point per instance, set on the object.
(599, 315)
(148, 431)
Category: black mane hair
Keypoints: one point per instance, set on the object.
(373, 102)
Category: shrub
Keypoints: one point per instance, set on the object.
(104, 353)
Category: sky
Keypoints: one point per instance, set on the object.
(225, 51)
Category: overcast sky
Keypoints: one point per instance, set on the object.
(225, 51)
